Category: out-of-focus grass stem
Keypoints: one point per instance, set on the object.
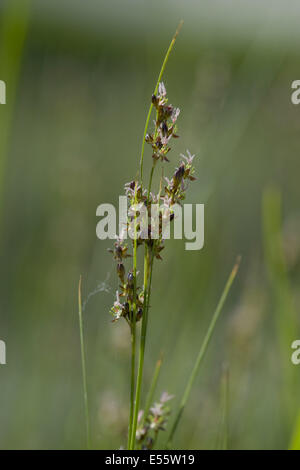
(224, 428)
(13, 31)
(83, 364)
(202, 351)
(152, 388)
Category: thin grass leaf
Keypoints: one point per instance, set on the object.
(166, 58)
(13, 32)
(152, 389)
(284, 311)
(222, 443)
(84, 381)
(203, 350)
(295, 440)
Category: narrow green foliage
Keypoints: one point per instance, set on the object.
(152, 388)
(202, 351)
(132, 381)
(166, 58)
(282, 304)
(13, 32)
(295, 440)
(84, 381)
(276, 266)
(224, 425)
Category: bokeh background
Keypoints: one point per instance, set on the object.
(79, 79)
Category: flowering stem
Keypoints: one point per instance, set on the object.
(148, 265)
(133, 331)
(155, 91)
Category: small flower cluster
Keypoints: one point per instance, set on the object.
(172, 193)
(156, 421)
(176, 187)
(134, 192)
(165, 125)
(125, 309)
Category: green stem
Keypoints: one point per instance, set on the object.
(133, 331)
(84, 381)
(14, 22)
(148, 265)
(225, 409)
(152, 389)
(203, 350)
(155, 91)
(132, 382)
(150, 180)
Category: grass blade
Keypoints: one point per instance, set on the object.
(295, 441)
(223, 436)
(285, 317)
(166, 58)
(84, 382)
(203, 350)
(152, 389)
(13, 32)
(133, 425)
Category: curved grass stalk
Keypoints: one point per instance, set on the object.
(15, 19)
(166, 58)
(202, 351)
(84, 381)
(295, 440)
(222, 444)
(152, 388)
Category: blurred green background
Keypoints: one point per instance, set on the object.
(79, 79)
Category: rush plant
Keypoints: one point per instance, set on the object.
(132, 303)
